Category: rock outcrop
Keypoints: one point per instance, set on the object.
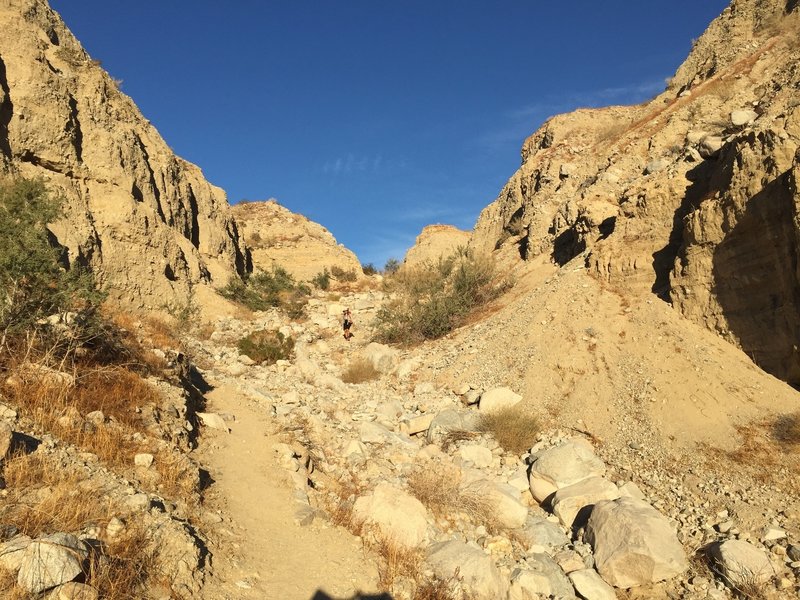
(691, 196)
(278, 237)
(435, 242)
(147, 222)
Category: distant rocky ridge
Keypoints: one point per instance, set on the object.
(691, 196)
(278, 237)
(149, 224)
(434, 242)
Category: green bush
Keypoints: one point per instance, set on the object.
(266, 346)
(263, 290)
(35, 281)
(341, 275)
(322, 280)
(369, 269)
(391, 266)
(435, 298)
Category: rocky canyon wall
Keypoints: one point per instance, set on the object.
(691, 196)
(147, 222)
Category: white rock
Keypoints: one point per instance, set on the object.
(399, 517)
(478, 455)
(382, 357)
(11, 552)
(497, 399)
(6, 435)
(743, 117)
(710, 146)
(543, 579)
(630, 490)
(476, 570)
(506, 508)
(570, 501)
(51, 561)
(591, 586)
(563, 465)
(143, 459)
(73, 591)
(633, 543)
(420, 423)
(738, 561)
(213, 420)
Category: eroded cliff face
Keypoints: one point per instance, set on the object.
(691, 196)
(278, 237)
(147, 222)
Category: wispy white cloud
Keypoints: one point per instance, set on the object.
(351, 164)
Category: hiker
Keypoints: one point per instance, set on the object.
(347, 323)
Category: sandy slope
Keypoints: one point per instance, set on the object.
(270, 556)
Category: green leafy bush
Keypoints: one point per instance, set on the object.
(263, 290)
(391, 266)
(266, 346)
(342, 275)
(33, 276)
(435, 298)
(322, 280)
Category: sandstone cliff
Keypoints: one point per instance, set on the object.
(279, 237)
(434, 242)
(147, 222)
(691, 196)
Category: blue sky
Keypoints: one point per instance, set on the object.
(375, 118)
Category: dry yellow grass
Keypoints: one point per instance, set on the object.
(513, 428)
(442, 492)
(44, 497)
(359, 371)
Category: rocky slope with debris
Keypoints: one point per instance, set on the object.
(278, 237)
(147, 222)
(686, 465)
(690, 197)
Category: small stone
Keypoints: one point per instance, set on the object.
(773, 533)
(213, 420)
(115, 527)
(96, 418)
(73, 591)
(143, 460)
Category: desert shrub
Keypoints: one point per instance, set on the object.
(442, 492)
(391, 266)
(369, 269)
(266, 346)
(340, 274)
(359, 371)
(435, 298)
(513, 428)
(264, 290)
(34, 280)
(322, 280)
(786, 429)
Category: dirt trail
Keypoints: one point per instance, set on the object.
(270, 557)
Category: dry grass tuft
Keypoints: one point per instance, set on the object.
(442, 493)
(513, 428)
(359, 371)
(44, 497)
(451, 438)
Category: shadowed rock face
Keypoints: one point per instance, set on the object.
(146, 221)
(691, 196)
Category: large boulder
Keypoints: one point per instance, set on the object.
(542, 579)
(398, 517)
(591, 586)
(497, 399)
(633, 543)
(562, 466)
(382, 357)
(477, 572)
(50, 561)
(740, 562)
(572, 503)
(539, 534)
